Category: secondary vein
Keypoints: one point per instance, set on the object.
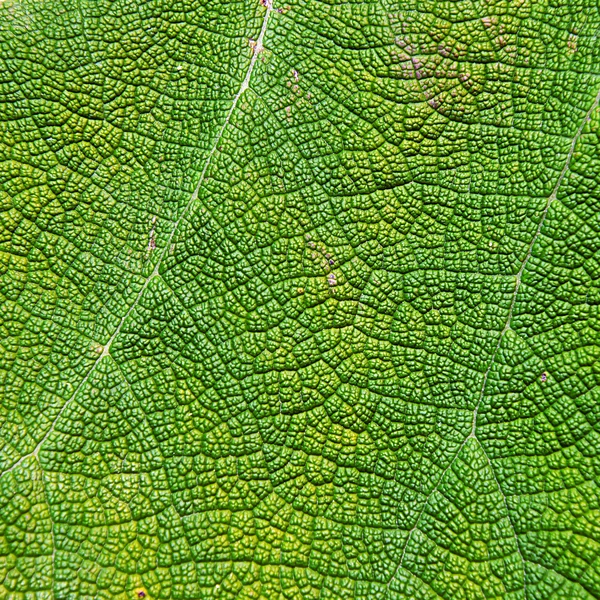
(257, 49)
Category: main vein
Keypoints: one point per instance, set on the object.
(257, 49)
(551, 198)
(518, 279)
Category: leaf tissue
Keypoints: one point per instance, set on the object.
(299, 301)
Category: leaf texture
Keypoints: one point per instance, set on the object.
(299, 300)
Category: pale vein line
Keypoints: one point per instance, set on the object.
(549, 201)
(34, 453)
(489, 462)
(506, 327)
(425, 504)
(257, 49)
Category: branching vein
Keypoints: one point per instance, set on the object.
(518, 279)
(257, 49)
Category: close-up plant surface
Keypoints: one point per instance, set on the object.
(299, 300)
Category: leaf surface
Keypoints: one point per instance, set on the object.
(299, 300)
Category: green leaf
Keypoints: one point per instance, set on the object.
(299, 300)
